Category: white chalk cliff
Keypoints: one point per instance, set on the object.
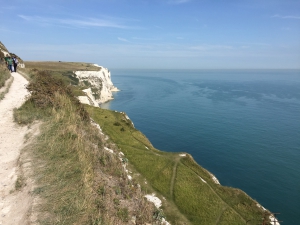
(100, 86)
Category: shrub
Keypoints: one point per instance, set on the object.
(73, 79)
(4, 75)
(19, 183)
(43, 89)
(86, 83)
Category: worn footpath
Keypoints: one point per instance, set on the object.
(14, 204)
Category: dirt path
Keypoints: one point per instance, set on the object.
(220, 215)
(174, 176)
(14, 205)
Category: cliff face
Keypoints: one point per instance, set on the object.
(4, 52)
(3, 49)
(100, 86)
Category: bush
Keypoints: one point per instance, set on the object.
(117, 124)
(4, 74)
(43, 89)
(78, 181)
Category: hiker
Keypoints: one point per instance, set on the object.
(6, 58)
(15, 61)
(10, 64)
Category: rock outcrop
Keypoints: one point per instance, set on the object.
(4, 53)
(100, 86)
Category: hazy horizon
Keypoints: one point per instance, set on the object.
(160, 34)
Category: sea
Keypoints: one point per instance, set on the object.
(241, 125)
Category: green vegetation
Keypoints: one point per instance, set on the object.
(177, 178)
(4, 76)
(60, 66)
(19, 183)
(82, 183)
(75, 177)
(95, 92)
(6, 89)
(65, 72)
(4, 73)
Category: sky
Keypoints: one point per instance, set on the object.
(155, 34)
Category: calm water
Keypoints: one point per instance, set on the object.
(242, 125)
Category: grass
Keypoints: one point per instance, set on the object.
(60, 66)
(63, 71)
(19, 183)
(81, 183)
(75, 177)
(5, 91)
(189, 198)
(4, 74)
(4, 77)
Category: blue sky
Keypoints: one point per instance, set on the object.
(179, 34)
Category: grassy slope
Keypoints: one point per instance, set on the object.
(201, 203)
(4, 74)
(61, 70)
(77, 181)
(188, 199)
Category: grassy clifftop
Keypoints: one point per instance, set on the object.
(60, 66)
(186, 186)
(81, 182)
(77, 180)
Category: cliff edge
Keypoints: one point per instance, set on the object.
(99, 172)
(100, 86)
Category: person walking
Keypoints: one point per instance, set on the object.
(6, 58)
(10, 63)
(15, 62)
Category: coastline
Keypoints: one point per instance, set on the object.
(158, 134)
(206, 178)
(100, 87)
(205, 188)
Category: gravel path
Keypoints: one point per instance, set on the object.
(14, 205)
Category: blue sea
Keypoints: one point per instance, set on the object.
(241, 125)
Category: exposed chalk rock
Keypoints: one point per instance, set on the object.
(155, 200)
(100, 86)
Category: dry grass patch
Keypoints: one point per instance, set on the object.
(5, 80)
(4, 74)
(60, 66)
(78, 181)
(82, 183)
